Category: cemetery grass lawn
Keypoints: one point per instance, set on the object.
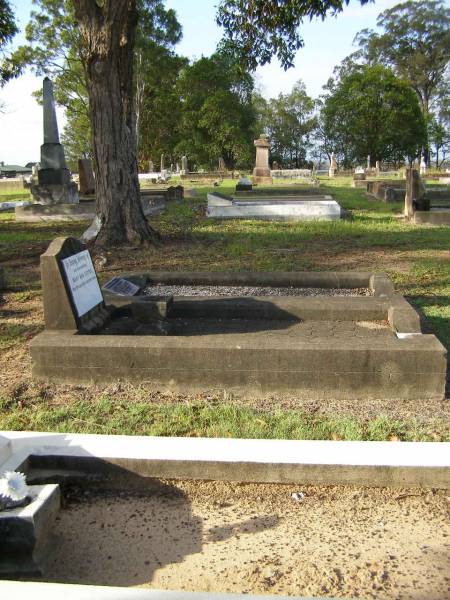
(374, 238)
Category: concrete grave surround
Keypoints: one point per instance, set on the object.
(255, 346)
(270, 208)
(109, 459)
(261, 172)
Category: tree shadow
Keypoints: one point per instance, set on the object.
(209, 316)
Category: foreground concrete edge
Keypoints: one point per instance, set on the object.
(56, 591)
(409, 464)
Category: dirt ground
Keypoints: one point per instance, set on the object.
(348, 542)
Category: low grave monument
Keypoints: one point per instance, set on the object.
(346, 346)
(273, 208)
(419, 206)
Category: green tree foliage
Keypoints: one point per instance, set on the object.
(218, 117)
(54, 49)
(290, 123)
(372, 112)
(415, 43)
(8, 30)
(158, 105)
(256, 30)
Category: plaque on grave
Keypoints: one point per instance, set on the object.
(121, 287)
(82, 281)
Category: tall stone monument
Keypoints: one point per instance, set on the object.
(261, 172)
(333, 166)
(162, 163)
(54, 182)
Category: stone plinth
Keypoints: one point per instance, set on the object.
(261, 172)
(51, 194)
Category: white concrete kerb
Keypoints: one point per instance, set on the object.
(217, 450)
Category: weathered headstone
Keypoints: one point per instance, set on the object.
(54, 181)
(151, 166)
(86, 176)
(261, 172)
(368, 162)
(377, 168)
(184, 165)
(71, 292)
(415, 197)
(333, 166)
(222, 165)
(275, 166)
(162, 168)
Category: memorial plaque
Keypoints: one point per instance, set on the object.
(82, 281)
(122, 287)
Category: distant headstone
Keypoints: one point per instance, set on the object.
(222, 165)
(178, 167)
(377, 167)
(151, 166)
(54, 181)
(423, 165)
(415, 197)
(86, 176)
(243, 185)
(333, 165)
(162, 168)
(261, 172)
(184, 165)
(275, 166)
(368, 163)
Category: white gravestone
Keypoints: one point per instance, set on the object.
(82, 281)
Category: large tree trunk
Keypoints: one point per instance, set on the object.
(108, 33)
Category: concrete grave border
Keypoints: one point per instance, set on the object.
(416, 365)
(404, 464)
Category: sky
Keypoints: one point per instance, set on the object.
(326, 44)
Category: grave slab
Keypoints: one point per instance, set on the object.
(301, 208)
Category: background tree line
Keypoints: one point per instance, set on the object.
(209, 109)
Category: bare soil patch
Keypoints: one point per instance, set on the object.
(249, 538)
